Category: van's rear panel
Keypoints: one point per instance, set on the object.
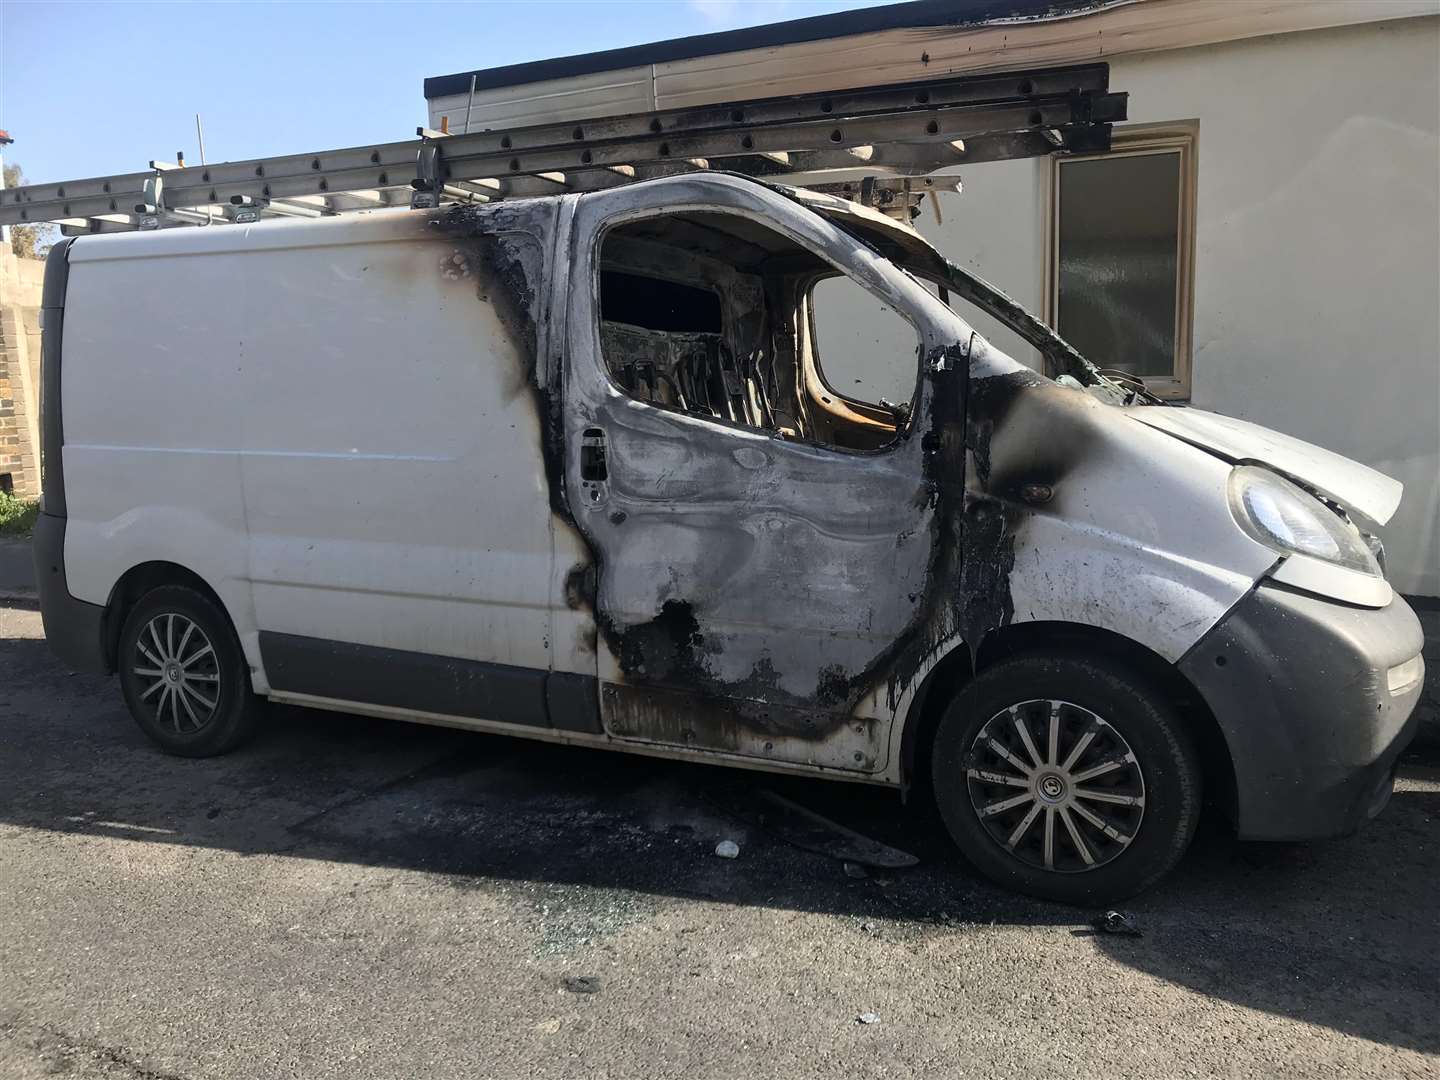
(329, 422)
(76, 630)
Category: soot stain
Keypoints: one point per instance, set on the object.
(667, 649)
(580, 587)
(504, 246)
(966, 588)
(973, 518)
(670, 648)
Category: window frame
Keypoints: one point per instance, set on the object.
(1180, 137)
(816, 361)
(626, 217)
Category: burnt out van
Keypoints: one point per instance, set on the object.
(709, 469)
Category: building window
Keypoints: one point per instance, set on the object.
(1121, 254)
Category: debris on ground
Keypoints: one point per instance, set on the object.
(727, 849)
(581, 984)
(1117, 922)
(803, 828)
(868, 1018)
(855, 870)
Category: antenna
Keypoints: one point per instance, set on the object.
(200, 138)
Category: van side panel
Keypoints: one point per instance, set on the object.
(335, 433)
(149, 390)
(393, 482)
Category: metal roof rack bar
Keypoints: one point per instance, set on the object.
(907, 130)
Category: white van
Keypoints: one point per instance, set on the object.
(598, 469)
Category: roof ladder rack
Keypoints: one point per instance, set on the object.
(875, 144)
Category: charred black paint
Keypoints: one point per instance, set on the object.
(991, 401)
(1043, 431)
(688, 717)
(580, 587)
(985, 570)
(506, 247)
(667, 649)
(969, 493)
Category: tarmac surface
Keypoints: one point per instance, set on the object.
(355, 898)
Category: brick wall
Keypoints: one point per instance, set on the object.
(20, 285)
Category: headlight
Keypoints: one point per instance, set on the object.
(1291, 521)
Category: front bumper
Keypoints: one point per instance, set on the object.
(1300, 688)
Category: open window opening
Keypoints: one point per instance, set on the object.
(713, 314)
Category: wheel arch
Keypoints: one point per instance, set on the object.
(958, 666)
(144, 578)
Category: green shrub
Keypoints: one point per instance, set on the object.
(17, 515)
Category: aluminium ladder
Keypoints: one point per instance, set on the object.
(883, 146)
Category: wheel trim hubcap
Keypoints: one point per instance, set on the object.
(178, 672)
(1055, 786)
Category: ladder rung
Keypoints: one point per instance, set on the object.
(905, 130)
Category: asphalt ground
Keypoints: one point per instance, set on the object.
(349, 897)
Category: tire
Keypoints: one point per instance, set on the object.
(1147, 793)
(183, 674)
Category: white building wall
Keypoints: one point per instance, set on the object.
(1317, 266)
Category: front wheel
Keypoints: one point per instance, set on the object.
(1066, 778)
(183, 674)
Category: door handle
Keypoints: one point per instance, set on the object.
(593, 466)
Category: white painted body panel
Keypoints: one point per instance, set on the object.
(1316, 266)
(1138, 541)
(333, 426)
(1356, 487)
(318, 421)
(1121, 571)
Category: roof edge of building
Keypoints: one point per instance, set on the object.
(914, 14)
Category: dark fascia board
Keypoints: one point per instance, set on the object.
(918, 13)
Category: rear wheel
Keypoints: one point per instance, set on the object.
(183, 675)
(1066, 778)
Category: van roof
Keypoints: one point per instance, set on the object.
(396, 223)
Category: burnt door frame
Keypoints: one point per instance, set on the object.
(751, 594)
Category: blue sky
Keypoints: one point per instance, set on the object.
(88, 89)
